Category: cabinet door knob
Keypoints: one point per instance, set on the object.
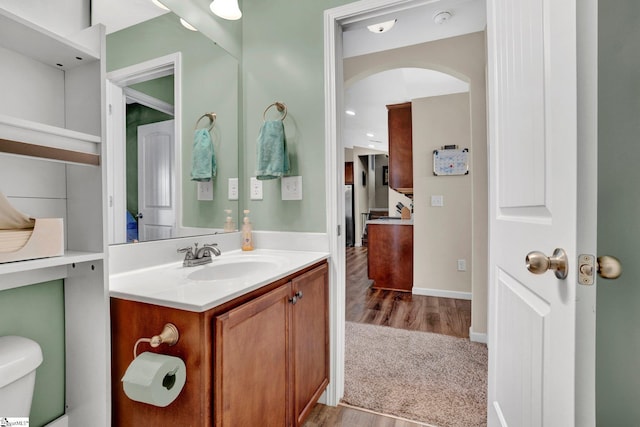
(299, 294)
(293, 300)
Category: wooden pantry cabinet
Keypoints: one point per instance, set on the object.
(260, 359)
(400, 148)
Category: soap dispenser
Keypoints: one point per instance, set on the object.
(229, 225)
(247, 239)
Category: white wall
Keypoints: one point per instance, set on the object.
(65, 17)
(441, 235)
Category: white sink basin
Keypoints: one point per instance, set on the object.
(235, 268)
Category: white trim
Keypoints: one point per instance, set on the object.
(334, 20)
(478, 336)
(441, 293)
(147, 70)
(63, 421)
(148, 101)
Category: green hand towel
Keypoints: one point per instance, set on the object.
(203, 166)
(272, 158)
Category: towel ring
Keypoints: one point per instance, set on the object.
(212, 120)
(280, 106)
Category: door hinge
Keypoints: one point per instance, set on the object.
(339, 230)
(110, 109)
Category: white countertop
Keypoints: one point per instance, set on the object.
(391, 221)
(169, 285)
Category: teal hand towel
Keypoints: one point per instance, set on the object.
(203, 164)
(272, 157)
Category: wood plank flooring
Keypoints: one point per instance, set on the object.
(389, 308)
(400, 309)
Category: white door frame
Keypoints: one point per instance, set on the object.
(117, 80)
(334, 20)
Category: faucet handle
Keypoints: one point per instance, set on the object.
(188, 250)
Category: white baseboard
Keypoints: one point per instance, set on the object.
(477, 336)
(63, 421)
(441, 293)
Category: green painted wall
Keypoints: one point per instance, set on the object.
(283, 60)
(160, 88)
(37, 312)
(618, 316)
(209, 83)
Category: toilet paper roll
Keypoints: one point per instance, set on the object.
(156, 379)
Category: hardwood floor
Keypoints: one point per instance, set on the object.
(389, 308)
(400, 309)
(343, 416)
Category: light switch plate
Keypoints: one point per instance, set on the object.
(233, 189)
(205, 190)
(256, 189)
(292, 188)
(437, 201)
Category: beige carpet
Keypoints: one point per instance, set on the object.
(431, 378)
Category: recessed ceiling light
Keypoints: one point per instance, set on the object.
(382, 27)
(369, 134)
(187, 25)
(372, 146)
(350, 113)
(442, 17)
(160, 5)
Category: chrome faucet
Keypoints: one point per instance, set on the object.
(199, 256)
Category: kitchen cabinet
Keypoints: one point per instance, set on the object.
(390, 255)
(259, 359)
(400, 148)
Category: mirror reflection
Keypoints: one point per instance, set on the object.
(166, 77)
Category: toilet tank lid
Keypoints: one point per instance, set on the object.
(18, 357)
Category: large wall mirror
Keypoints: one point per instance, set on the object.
(162, 81)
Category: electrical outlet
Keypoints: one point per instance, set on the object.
(256, 189)
(437, 201)
(233, 189)
(205, 190)
(462, 265)
(291, 188)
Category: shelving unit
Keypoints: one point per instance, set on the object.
(51, 131)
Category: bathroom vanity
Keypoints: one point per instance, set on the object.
(255, 348)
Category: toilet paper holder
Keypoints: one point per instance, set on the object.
(169, 336)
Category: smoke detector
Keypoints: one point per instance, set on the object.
(442, 17)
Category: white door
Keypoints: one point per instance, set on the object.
(534, 121)
(156, 195)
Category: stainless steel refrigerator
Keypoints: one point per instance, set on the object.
(348, 212)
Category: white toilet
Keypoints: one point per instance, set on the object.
(19, 358)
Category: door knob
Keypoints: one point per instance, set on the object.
(608, 267)
(140, 215)
(538, 263)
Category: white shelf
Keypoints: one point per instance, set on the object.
(69, 257)
(28, 39)
(41, 140)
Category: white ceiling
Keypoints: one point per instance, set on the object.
(119, 14)
(369, 96)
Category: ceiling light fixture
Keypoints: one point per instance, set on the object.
(226, 9)
(160, 5)
(372, 146)
(442, 17)
(369, 134)
(187, 25)
(382, 27)
(350, 113)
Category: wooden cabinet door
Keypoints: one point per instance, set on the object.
(400, 147)
(310, 340)
(252, 358)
